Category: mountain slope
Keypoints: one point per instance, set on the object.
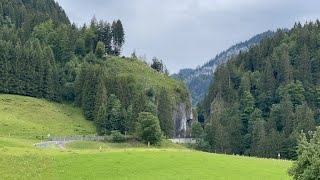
(262, 99)
(26, 14)
(199, 79)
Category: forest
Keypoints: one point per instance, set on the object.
(262, 99)
(43, 55)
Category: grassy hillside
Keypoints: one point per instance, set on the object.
(26, 117)
(147, 77)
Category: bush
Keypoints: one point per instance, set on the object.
(116, 136)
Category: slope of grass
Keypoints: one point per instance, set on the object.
(147, 77)
(26, 117)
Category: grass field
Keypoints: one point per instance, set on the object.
(91, 145)
(25, 118)
(166, 164)
(26, 162)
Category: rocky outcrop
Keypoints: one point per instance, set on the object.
(182, 117)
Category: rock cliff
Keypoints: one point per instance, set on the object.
(182, 117)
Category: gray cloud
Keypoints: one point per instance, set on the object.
(187, 33)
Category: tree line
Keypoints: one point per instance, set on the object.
(261, 99)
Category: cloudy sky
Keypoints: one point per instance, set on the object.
(187, 33)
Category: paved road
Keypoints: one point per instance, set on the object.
(60, 141)
(183, 140)
(58, 144)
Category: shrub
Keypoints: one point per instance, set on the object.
(116, 136)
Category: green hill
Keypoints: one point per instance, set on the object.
(146, 77)
(30, 118)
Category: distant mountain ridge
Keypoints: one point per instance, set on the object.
(199, 79)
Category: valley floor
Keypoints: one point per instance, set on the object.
(20, 160)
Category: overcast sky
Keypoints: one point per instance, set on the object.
(188, 33)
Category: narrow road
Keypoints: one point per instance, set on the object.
(60, 141)
(183, 140)
(58, 144)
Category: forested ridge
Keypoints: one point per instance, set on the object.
(43, 55)
(198, 80)
(262, 99)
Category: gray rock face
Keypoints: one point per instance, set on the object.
(182, 117)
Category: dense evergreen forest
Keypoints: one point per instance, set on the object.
(262, 99)
(198, 80)
(43, 55)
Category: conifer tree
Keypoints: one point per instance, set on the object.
(13, 77)
(247, 107)
(38, 62)
(79, 82)
(50, 78)
(139, 105)
(100, 49)
(101, 95)
(305, 65)
(80, 48)
(114, 112)
(4, 67)
(101, 120)
(165, 113)
(304, 119)
(30, 73)
(89, 40)
(89, 93)
(117, 37)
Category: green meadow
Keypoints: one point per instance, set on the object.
(19, 159)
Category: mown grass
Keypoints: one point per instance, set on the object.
(166, 164)
(131, 144)
(26, 117)
(135, 163)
